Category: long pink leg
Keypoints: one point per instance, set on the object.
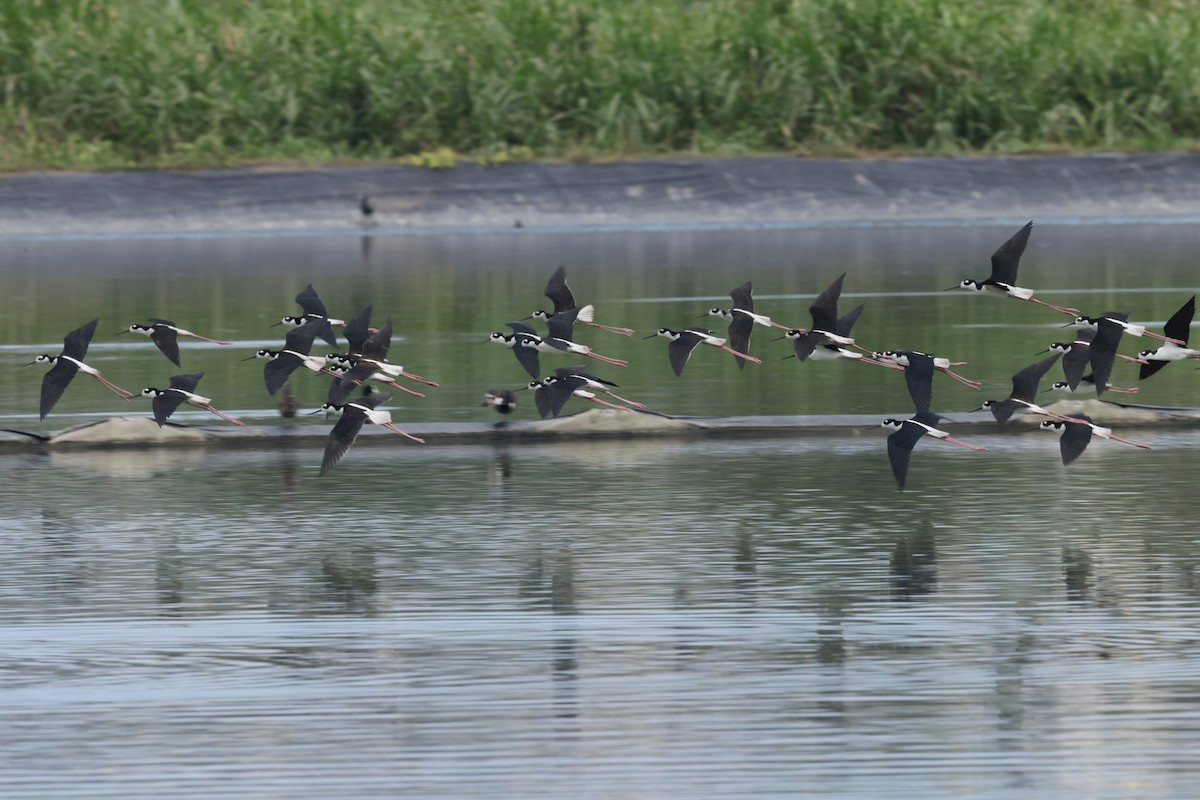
(418, 379)
(616, 362)
(112, 387)
(878, 363)
(1162, 338)
(1108, 387)
(225, 417)
(395, 385)
(729, 349)
(775, 324)
(948, 440)
(202, 338)
(1126, 441)
(633, 403)
(392, 427)
(610, 405)
(1070, 312)
(1132, 358)
(609, 328)
(970, 384)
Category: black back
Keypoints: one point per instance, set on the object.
(1007, 257)
(919, 377)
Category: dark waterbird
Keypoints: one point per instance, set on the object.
(907, 432)
(165, 335)
(1002, 281)
(560, 294)
(182, 389)
(67, 364)
(1178, 328)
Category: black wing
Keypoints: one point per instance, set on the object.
(1076, 359)
(806, 343)
(344, 432)
(1074, 439)
(55, 382)
(558, 292)
(1025, 382)
(541, 399)
(167, 341)
(1007, 257)
(900, 446)
(578, 369)
(357, 330)
(680, 350)
(742, 298)
(300, 340)
(164, 405)
(847, 322)
(186, 382)
(1180, 323)
(919, 377)
(740, 328)
(522, 327)
(312, 305)
(527, 357)
(322, 329)
(824, 308)
(1003, 410)
(562, 324)
(1151, 367)
(277, 371)
(1104, 348)
(560, 392)
(75, 343)
(379, 342)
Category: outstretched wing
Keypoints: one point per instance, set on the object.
(308, 300)
(1007, 257)
(167, 341)
(558, 292)
(741, 296)
(55, 382)
(919, 377)
(164, 405)
(824, 308)
(75, 343)
(1180, 323)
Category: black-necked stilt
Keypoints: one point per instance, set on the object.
(560, 294)
(742, 320)
(165, 335)
(1088, 382)
(833, 352)
(314, 312)
(1024, 391)
(1002, 281)
(1102, 352)
(67, 363)
(294, 354)
(552, 393)
(1077, 355)
(575, 378)
(1178, 328)
(503, 400)
(824, 330)
(354, 415)
(1074, 439)
(1120, 319)
(558, 340)
(918, 373)
(907, 432)
(684, 342)
(340, 371)
(368, 361)
(1085, 422)
(182, 389)
(524, 347)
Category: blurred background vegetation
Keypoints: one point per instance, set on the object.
(175, 83)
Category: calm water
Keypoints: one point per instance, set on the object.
(445, 295)
(604, 620)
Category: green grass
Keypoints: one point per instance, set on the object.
(174, 83)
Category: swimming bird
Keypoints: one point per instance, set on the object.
(1002, 281)
(1024, 390)
(684, 342)
(367, 209)
(165, 335)
(742, 320)
(182, 389)
(918, 373)
(294, 354)
(907, 432)
(1178, 328)
(1098, 431)
(69, 362)
(314, 312)
(560, 294)
(503, 400)
(355, 414)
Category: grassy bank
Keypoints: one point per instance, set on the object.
(88, 83)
